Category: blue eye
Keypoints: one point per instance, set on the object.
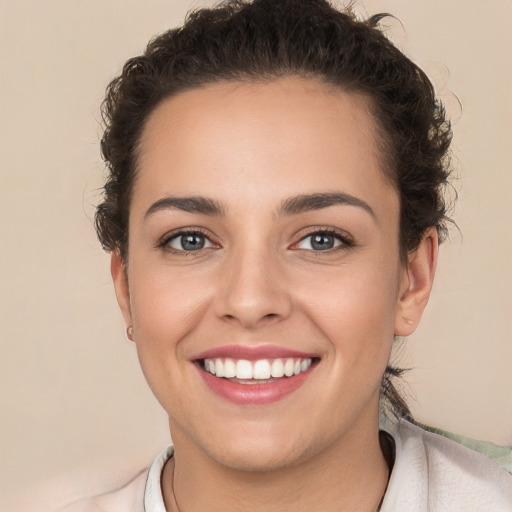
(322, 241)
(189, 242)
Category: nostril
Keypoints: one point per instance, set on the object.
(250, 304)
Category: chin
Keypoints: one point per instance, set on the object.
(249, 446)
(259, 455)
(274, 447)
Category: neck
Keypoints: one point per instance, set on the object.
(350, 474)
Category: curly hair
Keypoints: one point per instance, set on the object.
(261, 40)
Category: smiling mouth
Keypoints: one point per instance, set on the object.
(252, 380)
(260, 371)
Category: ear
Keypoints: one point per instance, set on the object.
(121, 287)
(417, 280)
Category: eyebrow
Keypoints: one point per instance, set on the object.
(311, 202)
(202, 205)
(291, 206)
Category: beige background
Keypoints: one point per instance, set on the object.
(71, 391)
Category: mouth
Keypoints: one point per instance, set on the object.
(255, 381)
(250, 372)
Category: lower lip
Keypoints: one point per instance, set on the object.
(254, 394)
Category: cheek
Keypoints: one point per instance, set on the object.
(355, 309)
(166, 306)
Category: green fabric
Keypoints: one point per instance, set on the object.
(500, 454)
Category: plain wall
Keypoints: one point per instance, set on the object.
(71, 391)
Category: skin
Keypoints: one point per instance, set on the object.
(250, 147)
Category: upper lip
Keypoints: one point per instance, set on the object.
(252, 353)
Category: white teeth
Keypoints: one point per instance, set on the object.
(262, 369)
(243, 369)
(219, 368)
(288, 367)
(229, 369)
(277, 368)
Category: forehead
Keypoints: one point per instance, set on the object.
(281, 137)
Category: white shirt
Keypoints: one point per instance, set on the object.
(434, 474)
(430, 474)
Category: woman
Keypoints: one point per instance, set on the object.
(273, 210)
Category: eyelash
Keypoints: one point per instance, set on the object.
(346, 241)
(164, 242)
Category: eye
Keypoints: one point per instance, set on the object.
(188, 242)
(323, 241)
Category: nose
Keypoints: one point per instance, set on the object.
(253, 291)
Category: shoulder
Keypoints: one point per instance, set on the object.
(441, 474)
(128, 497)
(140, 493)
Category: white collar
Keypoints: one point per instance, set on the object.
(153, 497)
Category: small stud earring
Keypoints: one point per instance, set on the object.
(129, 332)
(409, 321)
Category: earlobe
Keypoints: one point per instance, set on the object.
(417, 284)
(121, 287)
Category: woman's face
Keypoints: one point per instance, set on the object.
(263, 241)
